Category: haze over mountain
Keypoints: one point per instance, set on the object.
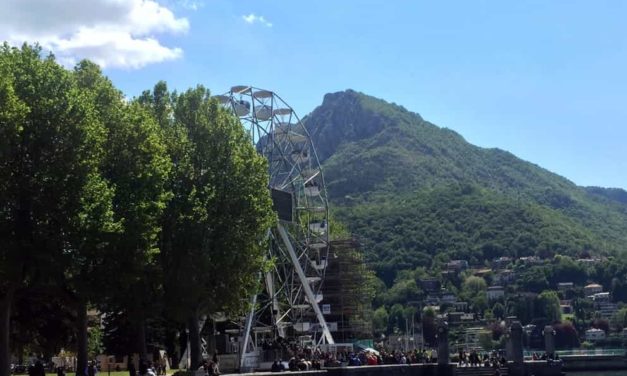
(418, 195)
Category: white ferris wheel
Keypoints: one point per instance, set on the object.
(289, 305)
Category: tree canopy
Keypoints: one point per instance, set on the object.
(165, 191)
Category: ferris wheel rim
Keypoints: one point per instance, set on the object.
(265, 112)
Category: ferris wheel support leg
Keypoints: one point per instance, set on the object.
(303, 279)
(248, 332)
(276, 309)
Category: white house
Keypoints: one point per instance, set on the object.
(592, 289)
(595, 335)
(601, 297)
(495, 292)
(563, 286)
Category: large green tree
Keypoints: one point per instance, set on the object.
(137, 164)
(52, 195)
(548, 306)
(215, 224)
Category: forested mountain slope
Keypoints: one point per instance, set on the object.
(412, 190)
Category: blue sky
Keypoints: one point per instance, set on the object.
(546, 80)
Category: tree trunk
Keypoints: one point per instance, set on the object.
(194, 341)
(5, 326)
(81, 337)
(141, 339)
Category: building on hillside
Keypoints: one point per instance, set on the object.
(468, 318)
(495, 292)
(532, 260)
(588, 260)
(471, 337)
(430, 285)
(563, 286)
(454, 317)
(501, 262)
(595, 335)
(434, 308)
(460, 318)
(482, 272)
(505, 277)
(461, 306)
(607, 310)
(457, 265)
(567, 309)
(592, 289)
(432, 299)
(601, 297)
(448, 297)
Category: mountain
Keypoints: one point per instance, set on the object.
(419, 195)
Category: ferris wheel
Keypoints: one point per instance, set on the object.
(289, 305)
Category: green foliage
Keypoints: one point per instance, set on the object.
(533, 279)
(380, 320)
(94, 342)
(620, 318)
(565, 269)
(548, 306)
(498, 310)
(403, 291)
(487, 342)
(418, 195)
(582, 309)
(474, 291)
(216, 222)
(52, 191)
(396, 319)
(163, 192)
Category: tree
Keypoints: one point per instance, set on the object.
(403, 291)
(602, 324)
(565, 269)
(533, 279)
(429, 326)
(620, 318)
(396, 319)
(498, 310)
(566, 335)
(53, 196)
(380, 320)
(474, 286)
(474, 291)
(137, 165)
(583, 309)
(215, 224)
(548, 306)
(521, 306)
(94, 341)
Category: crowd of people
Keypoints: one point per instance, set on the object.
(545, 356)
(303, 359)
(475, 359)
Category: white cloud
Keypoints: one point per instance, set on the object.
(253, 18)
(191, 4)
(183, 4)
(112, 33)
